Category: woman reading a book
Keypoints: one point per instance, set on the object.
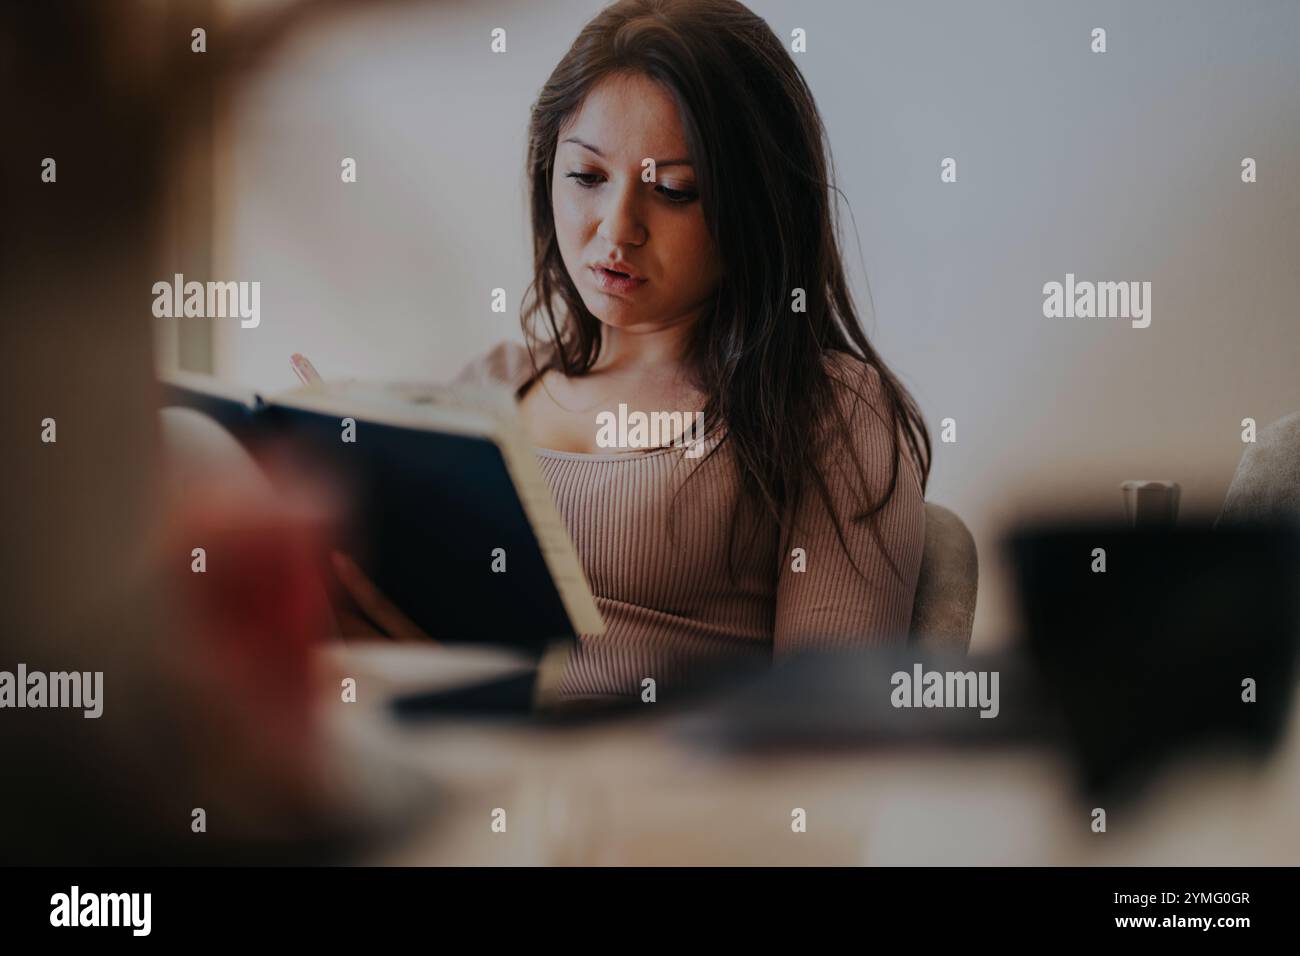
(686, 260)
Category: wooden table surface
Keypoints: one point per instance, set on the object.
(636, 793)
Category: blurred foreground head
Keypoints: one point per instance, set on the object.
(89, 550)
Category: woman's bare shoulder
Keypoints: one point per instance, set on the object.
(506, 363)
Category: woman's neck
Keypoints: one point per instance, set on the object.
(632, 351)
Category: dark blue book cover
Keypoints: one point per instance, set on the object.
(431, 513)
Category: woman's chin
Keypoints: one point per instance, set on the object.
(616, 313)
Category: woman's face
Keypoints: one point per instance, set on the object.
(639, 252)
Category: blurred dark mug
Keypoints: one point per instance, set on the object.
(1154, 639)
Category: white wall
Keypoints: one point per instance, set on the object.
(1115, 166)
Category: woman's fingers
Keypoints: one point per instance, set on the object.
(375, 604)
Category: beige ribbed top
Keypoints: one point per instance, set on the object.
(669, 606)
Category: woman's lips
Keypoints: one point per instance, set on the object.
(611, 280)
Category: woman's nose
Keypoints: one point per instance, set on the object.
(620, 221)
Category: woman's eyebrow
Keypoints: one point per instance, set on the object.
(658, 164)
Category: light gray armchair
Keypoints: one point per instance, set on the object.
(1267, 482)
(943, 611)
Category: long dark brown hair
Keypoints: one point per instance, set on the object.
(765, 181)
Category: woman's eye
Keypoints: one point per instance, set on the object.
(677, 195)
(586, 180)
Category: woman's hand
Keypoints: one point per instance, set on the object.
(371, 614)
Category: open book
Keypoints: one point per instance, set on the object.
(448, 511)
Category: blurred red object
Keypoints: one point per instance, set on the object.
(248, 576)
